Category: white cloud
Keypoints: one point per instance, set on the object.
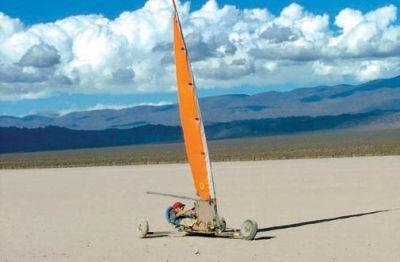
(9, 26)
(109, 106)
(321, 68)
(228, 47)
(119, 107)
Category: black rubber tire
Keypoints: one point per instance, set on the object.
(142, 228)
(249, 229)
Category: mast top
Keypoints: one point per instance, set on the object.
(173, 3)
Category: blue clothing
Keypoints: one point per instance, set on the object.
(171, 216)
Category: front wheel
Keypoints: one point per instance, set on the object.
(249, 229)
(142, 229)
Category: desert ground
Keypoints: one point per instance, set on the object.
(342, 209)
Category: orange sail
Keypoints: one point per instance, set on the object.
(192, 124)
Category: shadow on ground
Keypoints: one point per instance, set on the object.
(267, 229)
(325, 220)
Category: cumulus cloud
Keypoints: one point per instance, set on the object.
(227, 46)
(40, 56)
(15, 74)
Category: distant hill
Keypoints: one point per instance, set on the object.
(13, 139)
(381, 94)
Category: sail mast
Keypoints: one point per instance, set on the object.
(192, 124)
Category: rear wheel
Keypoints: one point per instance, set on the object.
(142, 229)
(249, 229)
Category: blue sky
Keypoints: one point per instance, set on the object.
(43, 11)
(54, 62)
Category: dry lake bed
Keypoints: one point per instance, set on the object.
(343, 209)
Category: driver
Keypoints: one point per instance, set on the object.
(181, 215)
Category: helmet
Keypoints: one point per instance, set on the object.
(177, 205)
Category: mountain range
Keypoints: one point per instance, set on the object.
(372, 105)
(378, 95)
(14, 139)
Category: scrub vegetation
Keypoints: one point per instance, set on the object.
(340, 143)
